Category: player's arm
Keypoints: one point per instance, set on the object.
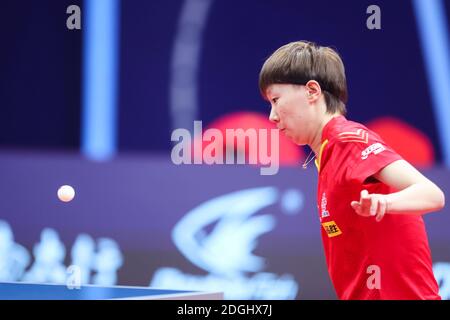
(417, 195)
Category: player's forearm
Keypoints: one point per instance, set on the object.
(418, 198)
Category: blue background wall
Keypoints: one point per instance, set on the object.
(41, 65)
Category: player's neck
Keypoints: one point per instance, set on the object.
(317, 140)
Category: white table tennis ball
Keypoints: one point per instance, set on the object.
(66, 193)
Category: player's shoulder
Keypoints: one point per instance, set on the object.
(350, 132)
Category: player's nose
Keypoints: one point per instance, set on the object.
(273, 116)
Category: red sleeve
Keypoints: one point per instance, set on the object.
(367, 154)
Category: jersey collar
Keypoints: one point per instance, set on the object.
(327, 134)
(327, 131)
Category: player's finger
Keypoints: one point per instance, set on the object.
(364, 194)
(354, 204)
(365, 201)
(373, 207)
(357, 209)
(381, 209)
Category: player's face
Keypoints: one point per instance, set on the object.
(291, 111)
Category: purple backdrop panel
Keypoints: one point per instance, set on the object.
(183, 227)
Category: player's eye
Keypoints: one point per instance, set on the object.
(274, 100)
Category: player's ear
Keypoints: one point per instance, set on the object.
(313, 90)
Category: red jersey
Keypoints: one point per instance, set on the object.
(366, 259)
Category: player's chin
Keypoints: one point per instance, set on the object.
(299, 142)
(295, 139)
(289, 137)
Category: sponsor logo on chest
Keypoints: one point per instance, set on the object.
(323, 206)
(330, 227)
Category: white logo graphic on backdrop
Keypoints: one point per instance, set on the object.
(14, 258)
(226, 250)
(49, 259)
(94, 262)
(441, 272)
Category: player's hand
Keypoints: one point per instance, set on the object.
(370, 205)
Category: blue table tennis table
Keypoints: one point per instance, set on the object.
(31, 291)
